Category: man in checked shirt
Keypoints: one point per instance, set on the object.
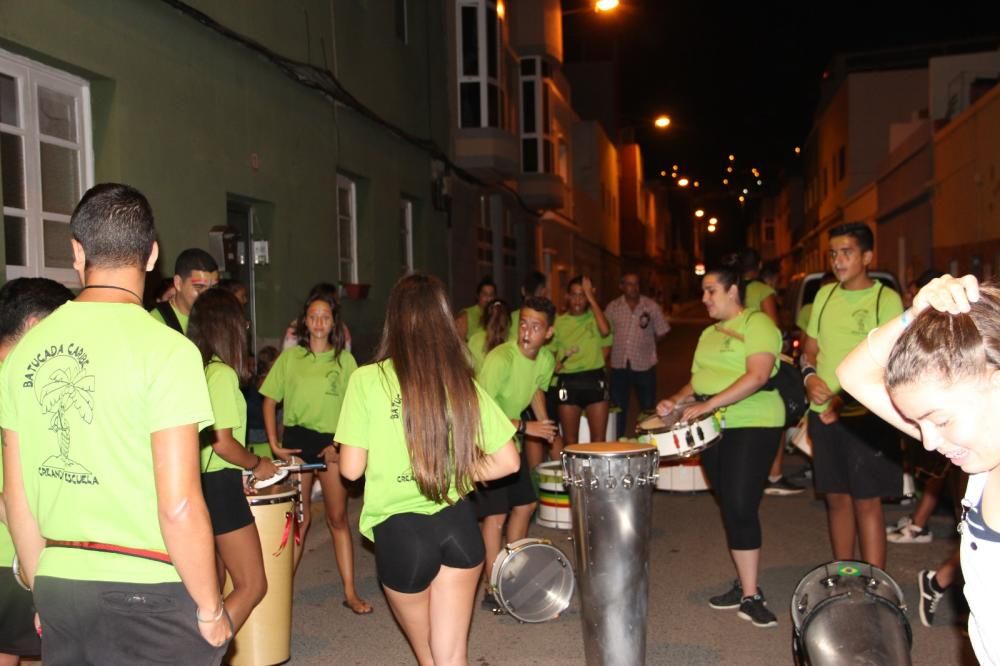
(638, 324)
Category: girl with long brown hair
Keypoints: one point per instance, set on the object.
(218, 329)
(310, 379)
(495, 331)
(422, 432)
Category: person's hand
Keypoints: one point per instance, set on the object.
(541, 429)
(664, 407)
(265, 469)
(832, 412)
(283, 453)
(947, 294)
(330, 454)
(696, 411)
(215, 633)
(588, 288)
(817, 390)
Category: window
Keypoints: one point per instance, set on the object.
(402, 33)
(347, 228)
(406, 235)
(537, 136)
(481, 99)
(46, 165)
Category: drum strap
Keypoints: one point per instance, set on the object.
(155, 555)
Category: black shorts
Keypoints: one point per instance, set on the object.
(411, 548)
(17, 618)
(310, 441)
(227, 503)
(90, 622)
(582, 388)
(856, 455)
(498, 497)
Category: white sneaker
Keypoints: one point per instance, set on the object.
(910, 534)
(899, 524)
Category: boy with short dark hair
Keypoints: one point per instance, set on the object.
(195, 272)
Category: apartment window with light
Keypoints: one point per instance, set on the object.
(481, 98)
(538, 138)
(45, 162)
(347, 228)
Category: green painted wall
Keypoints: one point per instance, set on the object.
(178, 111)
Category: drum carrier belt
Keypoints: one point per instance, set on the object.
(154, 555)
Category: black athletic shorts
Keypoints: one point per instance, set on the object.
(410, 548)
(582, 388)
(501, 495)
(17, 618)
(856, 455)
(227, 503)
(310, 441)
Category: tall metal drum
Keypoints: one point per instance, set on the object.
(611, 499)
(849, 613)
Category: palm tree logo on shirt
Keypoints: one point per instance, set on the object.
(331, 378)
(860, 318)
(65, 390)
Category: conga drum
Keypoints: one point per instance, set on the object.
(266, 637)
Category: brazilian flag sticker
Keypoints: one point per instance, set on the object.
(849, 569)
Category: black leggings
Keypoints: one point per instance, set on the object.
(737, 470)
(410, 548)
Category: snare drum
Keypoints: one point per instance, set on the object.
(849, 613)
(266, 636)
(553, 500)
(532, 580)
(675, 439)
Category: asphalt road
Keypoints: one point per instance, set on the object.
(689, 563)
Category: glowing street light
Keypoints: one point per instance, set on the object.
(673, 175)
(683, 182)
(725, 181)
(699, 269)
(662, 122)
(676, 167)
(663, 173)
(711, 228)
(501, 9)
(713, 220)
(696, 184)
(742, 198)
(699, 213)
(797, 150)
(606, 5)
(732, 158)
(729, 169)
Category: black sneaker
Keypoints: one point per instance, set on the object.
(727, 600)
(782, 487)
(929, 597)
(755, 610)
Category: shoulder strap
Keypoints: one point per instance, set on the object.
(733, 334)
(169, 316)
(878, 302)
(819, 318)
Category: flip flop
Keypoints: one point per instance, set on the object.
(347, 604)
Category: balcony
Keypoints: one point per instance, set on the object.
(490, 153)
(542, 190)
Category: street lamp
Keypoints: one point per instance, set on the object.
(699, 213)
(600, 6)
(683, 182)
(662, 122)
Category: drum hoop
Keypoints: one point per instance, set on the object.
(272, 498)
(634, 450)
(838, 598)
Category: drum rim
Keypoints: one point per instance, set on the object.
(272, 498)
(885, 578)
(507, 554)
(636, 449)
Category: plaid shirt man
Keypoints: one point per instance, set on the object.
(635, 332)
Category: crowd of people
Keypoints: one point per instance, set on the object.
(132, 439)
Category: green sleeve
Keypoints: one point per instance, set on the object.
(274, 384)
(762, 336)
(223, 387)
(497, 429)
(352, 427)
(178, 392)
(494, 373)
(822, 296)
(546, 368)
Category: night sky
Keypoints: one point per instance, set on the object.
(743, 78)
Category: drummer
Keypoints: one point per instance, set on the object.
(217, 327)
(733, 361)
(515, 374)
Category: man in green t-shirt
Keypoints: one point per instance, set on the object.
(195, 272)
(23, 303)
(856, 455)
(101, 475)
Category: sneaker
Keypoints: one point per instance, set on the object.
(910, 534)
(782, 487)
(489, 602)
(929, 597)
(755, 609)
(899, 524)
(727, 600)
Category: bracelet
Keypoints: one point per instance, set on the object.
(522, 426)
(222, 609)
(806, 371)
(256, 465)
(868, 345)
(904, 318)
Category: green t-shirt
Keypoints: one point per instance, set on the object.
(84, 390)
(474, 320)
(372, 419)
(515, 324)
(802, 321)
(720, 359)
(230, 410)
(757, 291)
(580, 332)
(477, 349)
(6, 544)
(511, 378)
(311, 386)
(841, 319)
(181, 317)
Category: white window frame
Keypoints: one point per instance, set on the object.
(406, 232)
(542, 114)
(482, 77)
(350, 258)
(29, 75)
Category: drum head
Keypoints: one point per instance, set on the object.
(279, 492)
(532, 580)
(280, 475)
(601, 449)
(653, 424)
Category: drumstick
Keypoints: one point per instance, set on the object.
(304, 467)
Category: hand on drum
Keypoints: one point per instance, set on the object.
(541, 429)
(265, 469)
(696, 411)
(285, 454)
(947, 294)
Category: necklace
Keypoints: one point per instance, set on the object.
(138, 298)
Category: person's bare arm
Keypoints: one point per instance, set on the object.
(817, 390)
(270, 410)
(503, 462)
(185, 525)
(683, 395)
(603, 326)
(769, 306)
(28, 540)
(538, 406)
(227, 448)
(353, 461)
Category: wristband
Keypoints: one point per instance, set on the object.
(222, 609)
(522, 426)
(256, 465)
(806, 371)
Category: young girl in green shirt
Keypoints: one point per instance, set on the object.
(310, 379)
(218, 329)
